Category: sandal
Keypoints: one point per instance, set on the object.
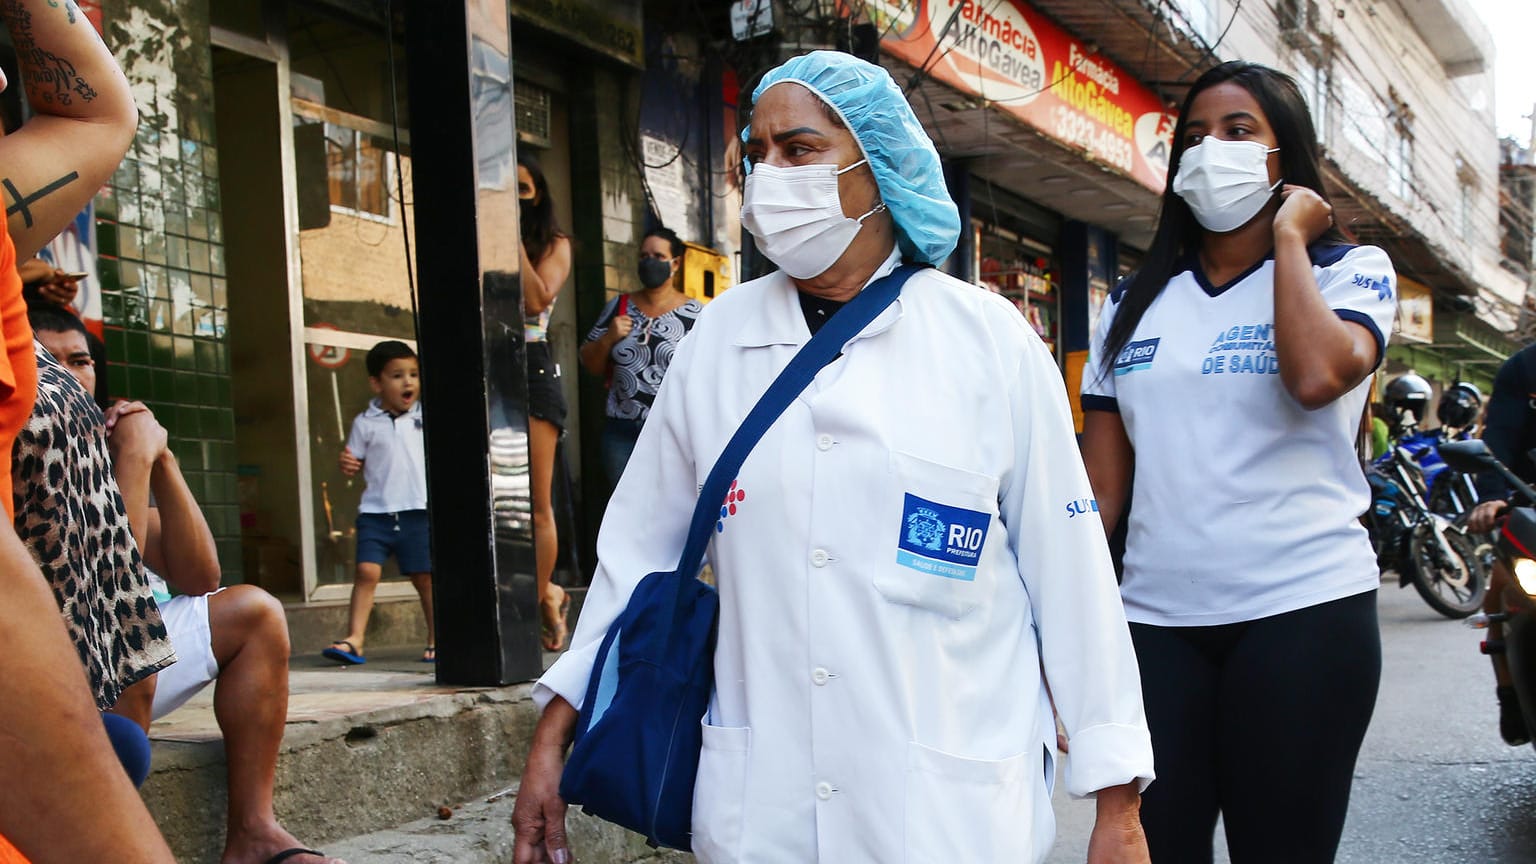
(553, 637)
(349, 657)
(296, 851)
(429, 654)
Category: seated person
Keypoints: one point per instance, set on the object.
(237, 636)
(70, 514)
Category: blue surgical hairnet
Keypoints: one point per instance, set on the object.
(901, 154)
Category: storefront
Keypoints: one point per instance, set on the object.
(1013, 253)
(304, 115)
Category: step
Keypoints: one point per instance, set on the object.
(366, 749)
(395, 621)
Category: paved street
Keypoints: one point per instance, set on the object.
(1435, 783)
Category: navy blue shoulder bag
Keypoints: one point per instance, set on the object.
(638, 736)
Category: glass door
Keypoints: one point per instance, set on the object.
(356, 292)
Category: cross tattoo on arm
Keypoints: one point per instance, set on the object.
(23, 203)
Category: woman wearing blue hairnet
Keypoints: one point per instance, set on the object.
(904, 551)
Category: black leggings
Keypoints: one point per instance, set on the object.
(1260, 721)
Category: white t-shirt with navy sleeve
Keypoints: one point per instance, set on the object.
(1245, 504)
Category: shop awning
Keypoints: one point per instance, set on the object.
(1465, 348)
(1041, 109)
(1471, 339)
(1014, 156)
(1149, 39)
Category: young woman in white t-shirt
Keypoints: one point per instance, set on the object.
(1228, 376)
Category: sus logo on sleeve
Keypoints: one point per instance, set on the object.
(1382, 286)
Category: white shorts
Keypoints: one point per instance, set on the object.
(186, 620)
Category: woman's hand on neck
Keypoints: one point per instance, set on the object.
(845, 279)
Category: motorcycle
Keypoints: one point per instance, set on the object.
(1446, 564)
(1516, 547)
(1451, 493)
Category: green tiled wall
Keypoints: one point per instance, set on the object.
(160, 238)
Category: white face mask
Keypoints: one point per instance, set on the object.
(1225, 183)
(796, 216)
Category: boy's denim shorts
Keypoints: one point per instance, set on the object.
(404, 535)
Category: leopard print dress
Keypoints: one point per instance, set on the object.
(71, 515)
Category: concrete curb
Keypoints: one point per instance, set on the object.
(352, 775)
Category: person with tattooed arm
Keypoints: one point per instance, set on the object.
(79, 806)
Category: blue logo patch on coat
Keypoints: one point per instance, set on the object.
(1136, 356)
(941, 540)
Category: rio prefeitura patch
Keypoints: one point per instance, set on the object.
(941, 540)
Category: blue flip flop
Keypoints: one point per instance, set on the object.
(350, 657)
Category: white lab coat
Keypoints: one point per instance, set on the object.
(868, 710)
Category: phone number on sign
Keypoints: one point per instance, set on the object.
(1104, 144)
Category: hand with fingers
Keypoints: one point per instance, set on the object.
(1302, 212)
(136, 436)
(1485, 516)
(350, 464)
(621, 327)
(1117, 836)
(123, 408)
(61, 289)
(538, 818)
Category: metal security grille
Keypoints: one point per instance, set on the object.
(532, 104)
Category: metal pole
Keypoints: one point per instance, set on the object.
(473, 358)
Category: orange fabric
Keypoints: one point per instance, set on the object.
(9, 855)
(18, 368)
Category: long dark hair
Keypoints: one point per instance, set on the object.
(539, 227)
(1178, 234)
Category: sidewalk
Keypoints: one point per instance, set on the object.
(321, 690)
(480, 832)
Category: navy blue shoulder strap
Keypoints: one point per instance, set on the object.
(823, 348)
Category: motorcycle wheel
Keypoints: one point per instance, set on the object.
(1453, 588)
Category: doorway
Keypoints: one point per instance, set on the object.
(316, 225)
(250, 129)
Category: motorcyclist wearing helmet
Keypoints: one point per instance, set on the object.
(1509, 430)
(1394, 418)
(1407, 400)
(1459, 406)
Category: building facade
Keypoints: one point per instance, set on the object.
(1404, 96)
(1054, 116)
(256, 241)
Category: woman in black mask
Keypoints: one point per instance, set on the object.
(633, 341)
(546, 254)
